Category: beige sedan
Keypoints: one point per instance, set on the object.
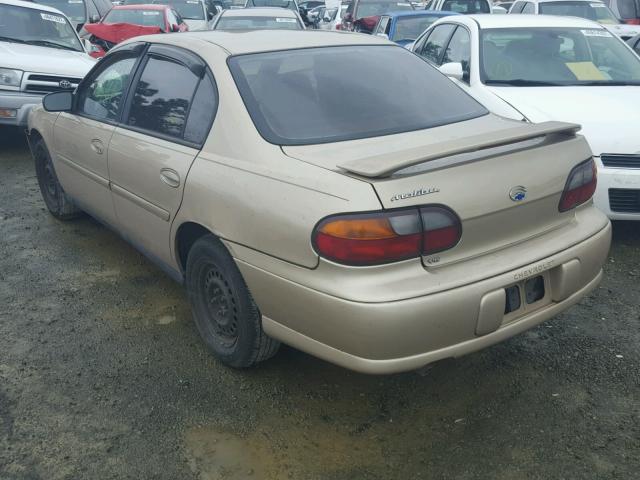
(330, 191)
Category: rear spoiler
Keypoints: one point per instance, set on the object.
(373, 166)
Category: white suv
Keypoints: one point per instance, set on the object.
(40, 52)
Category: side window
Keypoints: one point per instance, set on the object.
(529, 8)
(517, 7)
(627, 9)
(102, 96)
(382, 26)
(459, 50)
(160, 101)
(432, 48)
(91, 10)
(203, 109)
(172, 19)
(179, 19)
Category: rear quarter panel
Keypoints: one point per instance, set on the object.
(248, 192)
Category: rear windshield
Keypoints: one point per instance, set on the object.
(595, 11)
(467, 6)
(189, 9)
(255, 23)
(74, 9)
(330, 94)
(149, 18)
(290, 4)
(368, 8)
(410, 28)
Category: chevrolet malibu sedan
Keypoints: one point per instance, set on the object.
(541, 68)
(299, 205)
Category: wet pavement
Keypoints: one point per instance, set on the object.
(103, 375)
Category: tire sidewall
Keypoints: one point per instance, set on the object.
(42, 158)
(206, 252)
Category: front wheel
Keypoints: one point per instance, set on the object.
(223, 310)
(57, 202)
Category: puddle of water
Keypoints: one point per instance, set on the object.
(279, 454)
(166, 319)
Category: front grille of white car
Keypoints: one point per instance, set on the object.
(45, 83)
(623, 200)
(620, 161)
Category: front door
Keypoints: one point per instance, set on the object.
(81, 138)
(164, 127)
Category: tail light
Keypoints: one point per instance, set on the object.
(384, 237)
(580, 186)
(96, 51)
(632, 21)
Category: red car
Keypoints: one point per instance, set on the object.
(363, 15)
(127, 21)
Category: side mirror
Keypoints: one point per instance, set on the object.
(452, 70)
(58, 101)
(210, 15)
(94, 18)
(175, 28)
(382, 35)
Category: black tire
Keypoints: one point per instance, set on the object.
(223, 310)
(58, 203)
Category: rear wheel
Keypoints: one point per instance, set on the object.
(223, 310)
(58, 203)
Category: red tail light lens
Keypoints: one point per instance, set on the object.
(580, 186)
(632, 21)
(385, 237)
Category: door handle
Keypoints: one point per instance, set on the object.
(170, 177)
(97, 146)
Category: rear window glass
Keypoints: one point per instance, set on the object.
(254, 23)
(369, 8)
(467, 6)
(149, 18)
(320, 95)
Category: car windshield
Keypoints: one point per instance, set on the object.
(290, 4)
(258, 23)
(188, 9)
(556, 56)
(595, 11)
(370, 8)
(74, 9)
(467, 6)
(409, 28)
(330, 94)
(37, 27)
(149, 18)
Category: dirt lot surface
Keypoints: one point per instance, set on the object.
(103, 376)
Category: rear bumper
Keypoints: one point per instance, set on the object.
(395, 336)
(615, 178)
(22, 103)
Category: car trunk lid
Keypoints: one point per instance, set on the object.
(503, 178)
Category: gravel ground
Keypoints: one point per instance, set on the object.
(103, 376)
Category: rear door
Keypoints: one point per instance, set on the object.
(81, 137)
(168, 115)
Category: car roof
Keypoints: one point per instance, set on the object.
(32, 5)
(260, 12)
(520, 21)
(141, 6)
(256, 41)
(420, 13)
